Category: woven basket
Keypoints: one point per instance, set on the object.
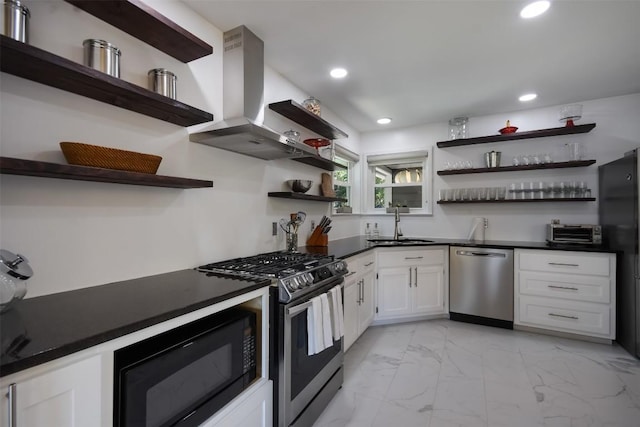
(109, 158)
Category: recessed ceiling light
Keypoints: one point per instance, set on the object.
(384, 121)
(338, 73)
(528, 97)
(534, 9)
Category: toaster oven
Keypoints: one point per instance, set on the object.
(583, 234)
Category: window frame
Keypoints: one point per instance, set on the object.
(351, 159)
(373, 160)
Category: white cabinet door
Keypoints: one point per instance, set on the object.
(253, 409)
(65, 397)
(394, 291)
(351, 308)
(367, 305)
(428, 289)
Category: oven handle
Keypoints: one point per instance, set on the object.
(298, 308)
(302, 307)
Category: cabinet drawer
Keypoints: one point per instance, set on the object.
(566, 316)
(400, 257)
(368, 261)
(565, 286)
(565, 262)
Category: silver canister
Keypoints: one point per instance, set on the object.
(163, 81)
(492, 159)
(16, 20)
(102, 56)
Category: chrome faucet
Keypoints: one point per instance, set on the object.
(396, 230)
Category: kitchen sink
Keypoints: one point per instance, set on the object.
(395, 242)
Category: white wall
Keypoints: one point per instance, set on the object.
(617, 131)
(79, 234)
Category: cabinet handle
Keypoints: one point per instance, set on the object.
(563, 316)
(413, 257)
(569, 288)
(12, 396)
(362, 290)
(351, 273)
(359, 292)
(562, 264)
(415, 276)
(409, 276)
(368, 264)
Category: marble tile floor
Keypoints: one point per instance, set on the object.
(441, 373)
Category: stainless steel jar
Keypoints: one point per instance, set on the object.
(102, 56)
(14, 273)
(16, 20)
(163, 81)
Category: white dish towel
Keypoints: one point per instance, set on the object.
(337, 314)
(315, 333)
(327, 333)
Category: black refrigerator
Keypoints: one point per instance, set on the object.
(619, 205)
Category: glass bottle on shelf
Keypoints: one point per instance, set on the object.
(376, 232)
(458, 127)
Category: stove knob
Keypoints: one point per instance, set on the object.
(309, 278)
(304, 280)
(294, 283)
(287, 284)
(341, 267)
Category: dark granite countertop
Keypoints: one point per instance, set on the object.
(41, 329)
(344, 248)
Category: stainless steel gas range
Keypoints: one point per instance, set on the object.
(303, 384)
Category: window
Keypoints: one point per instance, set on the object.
(343, 178)
(402, 180)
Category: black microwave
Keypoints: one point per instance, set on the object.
(184, 376)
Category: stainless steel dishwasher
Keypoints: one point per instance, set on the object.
(481, 285)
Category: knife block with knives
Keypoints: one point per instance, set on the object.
(319, 235)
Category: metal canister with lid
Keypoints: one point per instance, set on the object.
(102, 56)
(15, 20)
(14, 272)
(163, 81)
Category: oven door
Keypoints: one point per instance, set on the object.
(303, 376)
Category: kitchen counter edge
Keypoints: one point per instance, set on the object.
(351, 246)
(41, 329)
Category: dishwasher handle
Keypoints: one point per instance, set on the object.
(482, 254)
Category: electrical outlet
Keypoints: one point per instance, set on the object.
(313, 225)
(274, 228)
(486, 222)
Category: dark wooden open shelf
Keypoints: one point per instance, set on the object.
(518, 135)
(319, 162)
(459, 202)
(555, 165)
(40, 66)
(297, 113)
(12, 166)
(303, 196)
(144, 23)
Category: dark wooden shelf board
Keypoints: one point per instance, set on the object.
(518, 135)
(303, 196)
(146, 24)
(452, 202)
(555, 165)
(319, 162)
(297, 113)
(12, 166)
(38, 65)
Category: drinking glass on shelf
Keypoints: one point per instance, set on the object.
(501, 193)
(582, 189)
(515, 161)
(513, 191)
(491, 193)
(547, 158)
(539, 190)
(443, 195)
(481, 193)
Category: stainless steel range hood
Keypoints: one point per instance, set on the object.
(242, 129)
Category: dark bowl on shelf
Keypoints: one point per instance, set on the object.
(299, 185)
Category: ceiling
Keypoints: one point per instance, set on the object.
(428, 61)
